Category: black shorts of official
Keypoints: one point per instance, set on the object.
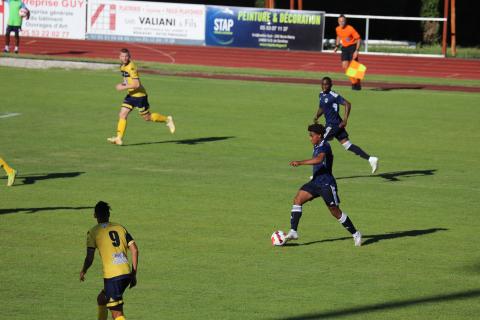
(335, 131)
(136, 102)
(329, 193)
(114, 289)
(11, 29)
(347, 53)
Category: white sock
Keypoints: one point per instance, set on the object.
(342, 218)
(16, 48)
(6, 47)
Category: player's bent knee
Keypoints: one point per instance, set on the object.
(347, 144)
(102, 299)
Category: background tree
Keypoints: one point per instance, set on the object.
(430, 8)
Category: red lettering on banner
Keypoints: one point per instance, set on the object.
(113, 16)
(97, 14)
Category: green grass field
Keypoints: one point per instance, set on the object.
(203, 203)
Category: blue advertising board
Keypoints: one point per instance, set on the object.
(264, 28)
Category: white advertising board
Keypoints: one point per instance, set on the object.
(154, 22)
(53, 19)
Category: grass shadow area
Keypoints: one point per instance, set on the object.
(190, 142)
(36, 210)
(394, 176)
(374, 238)
(469, 294)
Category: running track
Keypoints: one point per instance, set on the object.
(249, 58)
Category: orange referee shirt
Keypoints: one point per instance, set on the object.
(348, 35)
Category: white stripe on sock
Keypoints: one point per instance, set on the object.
(343, 218)
(296, 208)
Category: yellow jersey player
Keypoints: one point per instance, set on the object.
(112, 241)
(136, 98)
(11, 173)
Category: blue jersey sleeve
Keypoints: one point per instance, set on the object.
(340, 100)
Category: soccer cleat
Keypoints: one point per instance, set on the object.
(115, 140)
(6, 50)
(16, 51)
(357, 239)
(357, 86)
(292, 235)
(11, 178)
(373, 163)
(170, 124)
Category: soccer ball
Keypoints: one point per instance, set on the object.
(23, 12)
(278, 238)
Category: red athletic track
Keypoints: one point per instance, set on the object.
(267, 59)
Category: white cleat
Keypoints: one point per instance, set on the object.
(292, 235)
(115, 140)
(373, 163)
(171, 124)
(357, 239)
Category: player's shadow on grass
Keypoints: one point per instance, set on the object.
(373, 238)
(394, 176)
(397, 87)
(184, 141)
(35, 210)
(31, 179)
(379, 307)
(79, 52)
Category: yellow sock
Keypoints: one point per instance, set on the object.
(157, 117)
(102, 313)
(121, 127)
(5, 166)
(120, 318)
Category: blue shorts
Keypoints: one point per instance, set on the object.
(15, 29)
(328, 192)
(136, 102)
(114, 289)
(335, 131)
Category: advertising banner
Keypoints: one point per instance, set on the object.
(2, 25)
(169, 23)
(264, 28)
(53, 19)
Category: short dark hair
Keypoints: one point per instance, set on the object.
(125, 50)
(317, 128)
(102, 211)
(342, 16)
(327, 79)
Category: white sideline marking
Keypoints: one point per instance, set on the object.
(172, 59)
(9, 115)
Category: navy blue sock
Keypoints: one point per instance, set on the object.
(347, 223)
(358, 151)
(295, 216)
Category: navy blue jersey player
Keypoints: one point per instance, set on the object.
(322, 184)
(329, 106)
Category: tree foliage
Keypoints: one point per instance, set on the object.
(430, 8)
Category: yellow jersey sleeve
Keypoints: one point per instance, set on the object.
(91, 240)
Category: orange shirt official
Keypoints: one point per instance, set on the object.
(348, 35)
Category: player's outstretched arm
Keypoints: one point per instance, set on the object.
(134, 252)
(348, 107)
(87, 263)
(337, 44)
(317, 115)
(318, 159)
